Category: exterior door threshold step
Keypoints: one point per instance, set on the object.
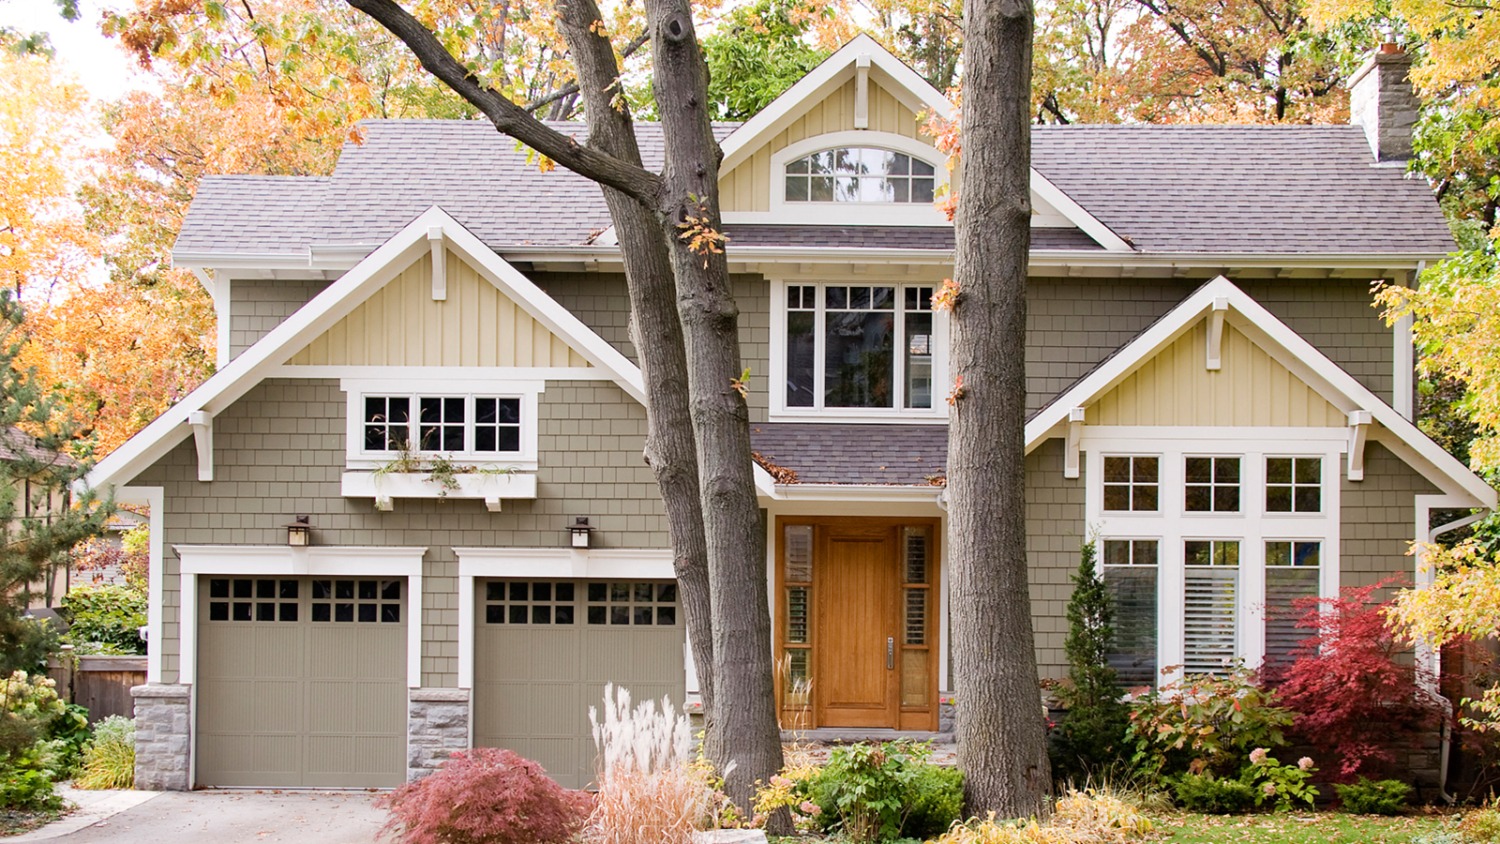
(837, 735)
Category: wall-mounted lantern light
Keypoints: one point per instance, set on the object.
(299, 533)
(580, 531)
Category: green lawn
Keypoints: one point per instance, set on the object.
(1321, 828)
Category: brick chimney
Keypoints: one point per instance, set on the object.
(1381, 101)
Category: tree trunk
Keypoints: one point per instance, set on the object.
(746, 712)
(657, 334)
(1001, 736)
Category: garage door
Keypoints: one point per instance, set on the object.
(544, 651)
(301, 682)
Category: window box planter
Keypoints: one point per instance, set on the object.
(490, 487)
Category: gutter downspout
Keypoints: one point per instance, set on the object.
(1447, 739)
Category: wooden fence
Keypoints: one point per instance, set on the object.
(101, 684)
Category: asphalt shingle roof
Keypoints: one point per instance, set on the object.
(1241, 189)
(1205, 189)
(855, 453)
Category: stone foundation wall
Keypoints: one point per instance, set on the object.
(437, 724)
(162, 737)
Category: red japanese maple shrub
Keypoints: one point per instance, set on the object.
(1353, 694)
(485, 796)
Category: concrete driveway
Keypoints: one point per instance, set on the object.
(217, 817)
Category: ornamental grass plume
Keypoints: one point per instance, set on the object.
(650, 790)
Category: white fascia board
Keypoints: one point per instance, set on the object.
(1039, 258)
(652, 563)
(332, 305)
(905, 84)
(1075, 214)
(857, 492)
(1287, 348)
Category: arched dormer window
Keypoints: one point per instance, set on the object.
(860, 174)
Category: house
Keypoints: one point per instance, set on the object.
(365, 540)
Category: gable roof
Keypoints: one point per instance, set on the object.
(1290, 350)
(336, 302)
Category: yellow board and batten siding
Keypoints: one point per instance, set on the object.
(402, 325)
(1251, 388)
(748, 186)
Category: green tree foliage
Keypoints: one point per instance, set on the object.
(40, 521)
(1091, 738)
(760, 51)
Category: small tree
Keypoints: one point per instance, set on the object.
(1092, 736)
(40, 518)
(1353, 696)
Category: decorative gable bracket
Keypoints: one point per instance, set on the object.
(439, 263)
(1216, 332)
(862, 91)
(202, 423)
(1359, 427)
(1075, 436)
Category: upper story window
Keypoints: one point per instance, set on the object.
(479, 425)
(479, 422)
(1294, 484)
(859, 346)
(1213, 484)
(860, 174)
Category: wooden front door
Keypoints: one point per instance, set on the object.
(856, 654)
(856, 623)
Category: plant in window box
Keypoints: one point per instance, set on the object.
(439, 468)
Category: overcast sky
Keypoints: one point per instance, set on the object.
(97, 61)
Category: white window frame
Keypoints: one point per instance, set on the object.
(856, 213)
(779, 411)
(528, 391)
(1252, 526)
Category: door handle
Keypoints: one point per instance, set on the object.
(890, 653)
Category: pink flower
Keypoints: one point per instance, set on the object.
(780, 782)
(1305, 763)
(1269, 788)
(1258, 755)
(810, 809)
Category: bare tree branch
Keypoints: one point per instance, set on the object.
(571, 88)
(511, 119)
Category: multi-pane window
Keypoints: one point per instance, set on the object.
(454, 424)
(842, 346)
(916, 589)
(568, 603)
(1293, 571)
(1210, 616)
(860, 174)
(799, 584)
(1131, 483)
(1130, 574)
(1294, 484)
(362, 601)
(619, 603)
(1212, 484)
(252, 599)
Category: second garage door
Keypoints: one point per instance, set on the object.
(545, 649)
(302, 682)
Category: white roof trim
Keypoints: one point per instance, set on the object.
(914, 92)
(1290, 350)
(1075, 214)
(261, 360)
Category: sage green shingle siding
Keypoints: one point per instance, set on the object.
(279, 453)
(1377, 519)
(258, 305)
(1054, 535)
(1073, 324)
